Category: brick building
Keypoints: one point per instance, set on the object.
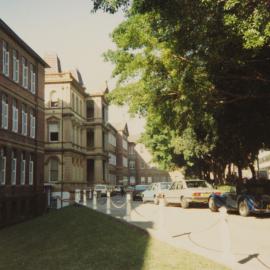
(21, 129)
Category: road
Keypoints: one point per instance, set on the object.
(201, 231)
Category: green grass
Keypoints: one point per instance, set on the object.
(82, 239)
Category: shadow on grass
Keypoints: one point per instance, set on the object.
(73, 238)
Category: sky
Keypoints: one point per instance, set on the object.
(79, 37)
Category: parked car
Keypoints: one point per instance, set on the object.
(137, 192)
(252, 197)
(155, 191)
(101, 189)
(185, 192)
(129, 189)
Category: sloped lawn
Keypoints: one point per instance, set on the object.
(82, 239)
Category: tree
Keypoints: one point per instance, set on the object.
(199, 72)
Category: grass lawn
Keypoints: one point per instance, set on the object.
(82, 239)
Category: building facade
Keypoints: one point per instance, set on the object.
(21, 129)
(75, 131)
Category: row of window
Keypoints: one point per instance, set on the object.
(28, 80)
(14, 166)
(15, 117)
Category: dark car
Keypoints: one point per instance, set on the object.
(252, 197)
(137, 192)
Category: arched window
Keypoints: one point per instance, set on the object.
(53, 99)
(54, 170)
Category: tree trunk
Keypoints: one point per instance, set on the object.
(252, 169)
(240, 172)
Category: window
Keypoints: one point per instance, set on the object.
(142, 164)
(32, 124)
(53, 132)
(22, 173)
(149, 179)
(15, 116)
(15, 66)
(13, 168)
(2, 167)
(33, 79)
(125, 145)
(131, 150)
(112, 139)
(142, 179)
(81, 107)
(4, 112)
(24, 120)
(31, 171)
(132, 164)
(132, 180)
(90, 139)
(72, 101)
(112, 159)
(125, 162)
(5, 59)
(90, 109)
(54, 99)
(53, 170)
(24, 73)
(77, 105)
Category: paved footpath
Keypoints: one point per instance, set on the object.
(200, 231)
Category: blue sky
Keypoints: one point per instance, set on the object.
(79, 37)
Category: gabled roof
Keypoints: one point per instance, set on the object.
(26, 47)
(123, 127)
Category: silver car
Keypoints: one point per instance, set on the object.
(186, 191)
(155, 192)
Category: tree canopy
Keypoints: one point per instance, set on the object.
(198, 70)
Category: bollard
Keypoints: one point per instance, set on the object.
(108, 208)
(225, 237)
(95, 200)
(128, 208)
(90, 194)
(77, 196)
(84, 197)
(161, 214)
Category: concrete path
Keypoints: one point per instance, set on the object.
(200, 231)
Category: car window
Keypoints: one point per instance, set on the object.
(195, 184)
(173, 186)
(164, 185)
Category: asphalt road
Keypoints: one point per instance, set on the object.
(199, 230)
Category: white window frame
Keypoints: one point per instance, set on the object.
(13, 171)
(112, 139)
(22, 170)
(3, 162)
(132, 162)
(24, 121)
(4, 112)
(112, 159)
(32, 126)
(24, 73)
(5, 61)
(31, 172)
(15, 116)
(33, 79)
(50, 131)
(142, 179)
(125, 162)
(16, 66)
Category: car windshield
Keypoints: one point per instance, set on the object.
(196, 184)
(165, 185)
(141, 187)
(100, 187)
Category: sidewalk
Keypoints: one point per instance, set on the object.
(185, 241)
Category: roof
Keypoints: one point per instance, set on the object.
(26, 47)
(121, 127)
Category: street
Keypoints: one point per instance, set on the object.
(199, 230)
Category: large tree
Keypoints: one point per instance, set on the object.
(198, 70)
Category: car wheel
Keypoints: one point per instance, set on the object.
(212, 206)
(243, 208)
(184, 202)
(156, 201)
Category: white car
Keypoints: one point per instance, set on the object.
(155, 191)
(101, 189)
(186, 191)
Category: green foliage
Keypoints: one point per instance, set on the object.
(199, 72)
